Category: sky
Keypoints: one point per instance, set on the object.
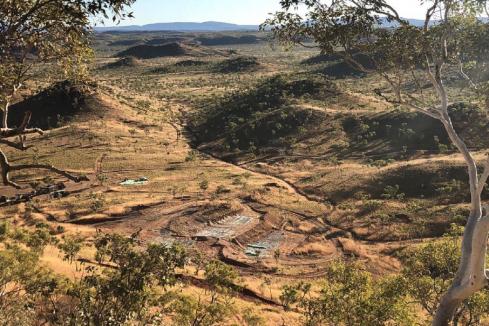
(229, 11)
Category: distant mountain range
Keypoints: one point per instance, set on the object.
(420, 22)
(210, 26)
(414, 22)
(181, 27)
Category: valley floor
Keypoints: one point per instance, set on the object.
(259, 214)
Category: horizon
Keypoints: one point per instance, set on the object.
(251, 12)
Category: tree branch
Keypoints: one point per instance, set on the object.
(20, 146)
(6, 133)
(22, 129)
(429, 112)
(484, 176)
(432, 112)
(429, 14)
(464, 75)
(7, 168)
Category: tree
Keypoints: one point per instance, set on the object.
(293, 293)
(36, 32)
(214, 305)
(27, 289)
(70, 247)
(428, 271)
(127, 290)
(351, 296)
(415, 62)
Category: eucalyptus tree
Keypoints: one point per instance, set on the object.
(415, 62)
(34, 32)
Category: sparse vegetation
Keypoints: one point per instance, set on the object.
(277, 187)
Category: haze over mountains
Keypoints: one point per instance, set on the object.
(210, 26)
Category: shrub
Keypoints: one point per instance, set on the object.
(429, 271)
(370, 206)
(351, 296)
(392, 192)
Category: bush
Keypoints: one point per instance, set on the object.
(351, 296)
(116, 295)
(214, 305)
(239, 64)
(370, 206)
(392, 192)
(429, 271)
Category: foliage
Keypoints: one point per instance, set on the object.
(71, 246)
(26, 288)
(392, 192)
(130, 285)
(125, 290)
(220, 275)
(238, 64)
(429, 271)
(214, 305)
(291, 294)
(46, 30)
(351, 296)
(415, 62)
(198, 311)
(204, 184)
(346, 28)
(253, 319)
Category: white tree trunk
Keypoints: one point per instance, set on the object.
(5, 115)
(471, 276)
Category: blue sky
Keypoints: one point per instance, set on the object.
(231, 11)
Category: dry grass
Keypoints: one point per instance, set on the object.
(320, 202)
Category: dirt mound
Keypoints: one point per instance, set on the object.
(238, 64)
(333, 65)
(150, 51)
(190, 63)
(52, 106)
(184, 65)
(168, 50)
(124, 62)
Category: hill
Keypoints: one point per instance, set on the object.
(54, 105)
(124, 62)
(228, 40)
(167, 50)
(182, 26)
(238, 64)
(209, 26)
